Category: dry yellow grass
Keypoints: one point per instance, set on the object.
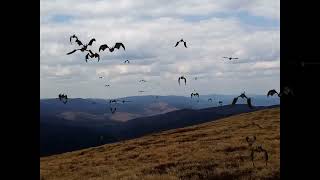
(213, 150)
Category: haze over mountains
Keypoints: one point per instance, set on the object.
(81, 122)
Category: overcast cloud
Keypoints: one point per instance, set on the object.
(245, 29)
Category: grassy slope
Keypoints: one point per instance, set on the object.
(213, 150)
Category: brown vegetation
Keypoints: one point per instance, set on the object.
(213, 150)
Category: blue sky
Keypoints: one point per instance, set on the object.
(246, 29)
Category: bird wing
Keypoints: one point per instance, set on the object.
(72, 51)
(87, 57)
(235, 58)
(91, 41)
(234, 101)
(271, 92)
(118, 45)
(98, 56)
(244, 96)
(179, 80)
(103, 47)
(79, 42)
(185, 81)
(177, 44)
(185, 44)
(249, 103)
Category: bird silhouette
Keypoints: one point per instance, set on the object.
(107, 85)
(230, 58)
(272, 92)
(113, 101)
(195, 94)
(184, 43)
(103, 47)
(185, 80)
(92, 55)
(73, 36)
(242, 96)
(63, 98)
(286, 91)
(127, 61)
(111, 49)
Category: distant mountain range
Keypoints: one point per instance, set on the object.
(82, 122)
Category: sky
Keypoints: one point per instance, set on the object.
(149, 29)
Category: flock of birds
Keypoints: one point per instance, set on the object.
(118, 45)
(91, 54)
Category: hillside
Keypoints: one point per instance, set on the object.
(212, 150)
(59, 135)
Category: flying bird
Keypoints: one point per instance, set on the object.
(185, 80)
(230, 58)
(73, 36)
(113, 101)
(103, 47)
(184, 43)
(272, 92)
(127, 61)
(243, 96)
(286, 91)
(194, 94)
(117, 46)
(63, 98)
(92, 55)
